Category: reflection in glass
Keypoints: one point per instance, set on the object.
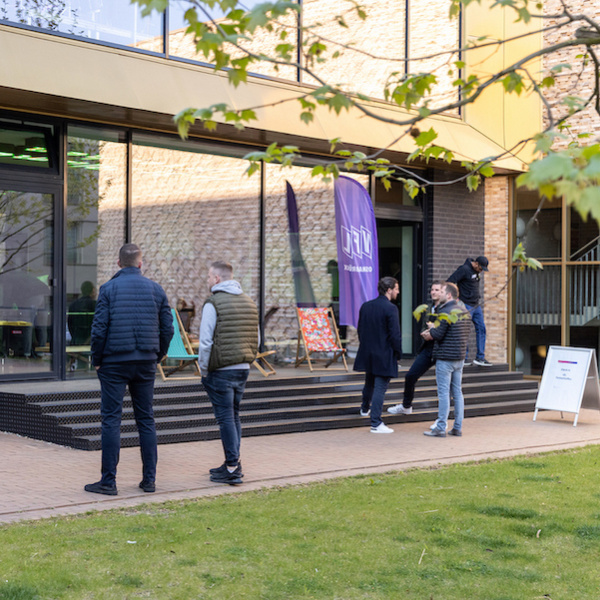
(190, 208)
(537, 317)
(584, 239)
(26, 267)
(182, 45)
(584, 315)
(540, 233)
(29, 147)
(96, 176)
(111, 21)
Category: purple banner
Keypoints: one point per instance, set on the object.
(358, 262)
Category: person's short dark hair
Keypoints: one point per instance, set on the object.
(223, 269)
(130, 255)
(87, 287)
(385, 284)
(437, 282)
(483, 262)
(452, 289)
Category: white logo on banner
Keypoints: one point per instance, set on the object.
(357, 243)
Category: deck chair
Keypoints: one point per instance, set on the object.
(318, 333)
(263, 365)
(181, 350)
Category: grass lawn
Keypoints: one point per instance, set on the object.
(523, 528)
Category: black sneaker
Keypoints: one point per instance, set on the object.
(456, 432)
(481, 362)
(223, 469)
(101, 488)
(234, 478)
(148, 486)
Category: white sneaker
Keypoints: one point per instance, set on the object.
(381, 428)
(399, 410)
(435, 425)
(364, 414)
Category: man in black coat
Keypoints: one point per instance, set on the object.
(379, 351)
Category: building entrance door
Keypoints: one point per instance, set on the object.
(27, 277)
(399, 257)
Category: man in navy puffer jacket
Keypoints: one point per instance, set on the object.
(131, 332)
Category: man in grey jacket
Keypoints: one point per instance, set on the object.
(228, 345)
(449, 334)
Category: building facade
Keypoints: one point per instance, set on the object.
(90, 159)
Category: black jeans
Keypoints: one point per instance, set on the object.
(422, 363)
(114, 379)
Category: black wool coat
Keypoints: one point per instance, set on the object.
(380, 339)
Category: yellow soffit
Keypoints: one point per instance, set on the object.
(68, 68)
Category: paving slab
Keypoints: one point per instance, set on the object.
(40, 480)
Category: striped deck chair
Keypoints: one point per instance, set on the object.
(318, 333)
(181, 350)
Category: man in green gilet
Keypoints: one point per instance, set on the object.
(228, 345)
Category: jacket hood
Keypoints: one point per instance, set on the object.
(231, 286)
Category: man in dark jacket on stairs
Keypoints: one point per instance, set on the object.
(131, 332)
(379, 350)
(449, 334)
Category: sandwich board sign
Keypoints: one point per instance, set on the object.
(569, 381)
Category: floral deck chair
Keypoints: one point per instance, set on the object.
(318, 333)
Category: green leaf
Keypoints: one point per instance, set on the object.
(473, 182)
(426, 137)
(307, 117)
(418, 312)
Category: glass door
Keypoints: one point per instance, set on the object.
(397, 249)
(26, 282)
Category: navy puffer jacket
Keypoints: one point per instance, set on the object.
(132, 319)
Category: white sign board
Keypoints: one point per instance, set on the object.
(569, 381)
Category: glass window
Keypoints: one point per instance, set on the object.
(584, 239)
(540, 233)
(182, 45)
(26, 146)
(96, 200)
(193, 206)
(427, 40)
(111, 21)
(537, 317)
(316, 241)
(378, 51)
(584, 300)
(26, 273)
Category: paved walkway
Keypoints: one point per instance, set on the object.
(38, 479)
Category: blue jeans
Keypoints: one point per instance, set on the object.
(480, 332)
(114, 379)
(422, 363)
(448, 374)
(225, 389)
(372, 396)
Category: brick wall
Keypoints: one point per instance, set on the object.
(457, 230)
(498, 251)
(579, 80)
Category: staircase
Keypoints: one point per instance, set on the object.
(316, 401)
